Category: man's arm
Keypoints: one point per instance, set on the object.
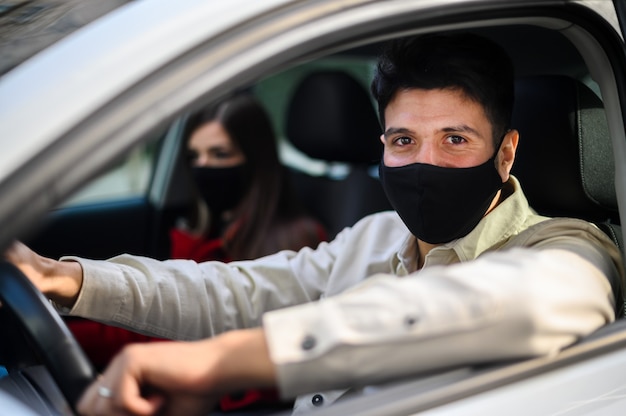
(505, 305)
(58, 280)
(513, 304)
(173, 378)
(158, 297)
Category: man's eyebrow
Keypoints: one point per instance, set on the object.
(397, 130)
(462, 128)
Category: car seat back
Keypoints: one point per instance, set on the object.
(332, 118)
(564, 158)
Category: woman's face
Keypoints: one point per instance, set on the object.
(211, 146)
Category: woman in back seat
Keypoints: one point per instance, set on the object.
(245, 209)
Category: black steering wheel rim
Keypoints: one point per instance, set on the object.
(62, 355)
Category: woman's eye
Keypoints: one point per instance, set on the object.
(192, 156)
(223, 154)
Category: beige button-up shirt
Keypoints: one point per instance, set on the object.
(355, 311)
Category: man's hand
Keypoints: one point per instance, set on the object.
(173, 378)
(59, 280)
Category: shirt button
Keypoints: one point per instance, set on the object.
(308, 343)
(410, 321)
(317, 400)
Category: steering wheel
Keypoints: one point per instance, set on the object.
(63, 357)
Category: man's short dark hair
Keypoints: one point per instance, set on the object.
(480, 68)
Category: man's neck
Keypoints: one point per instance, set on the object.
(425, 248)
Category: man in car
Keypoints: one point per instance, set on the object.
(463, 272)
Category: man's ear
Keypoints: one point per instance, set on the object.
(506, 154)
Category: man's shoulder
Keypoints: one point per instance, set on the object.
(583, 238)
(560, 227)
(566, 232)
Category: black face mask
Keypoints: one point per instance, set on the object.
(440, 204)
(220, 188)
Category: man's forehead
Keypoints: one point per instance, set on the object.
(466, 118)
(455, 91)
(444, 103)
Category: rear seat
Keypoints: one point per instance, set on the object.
(332, 118)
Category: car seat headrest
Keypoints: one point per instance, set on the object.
(564, 158)
(331, 117)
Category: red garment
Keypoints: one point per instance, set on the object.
(187, 246)
(250, 399)
(191, 247)
(102, 342)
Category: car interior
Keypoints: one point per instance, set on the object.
(331, 118)
(326, 116)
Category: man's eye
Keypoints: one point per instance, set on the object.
(402, 140)
(456, 139)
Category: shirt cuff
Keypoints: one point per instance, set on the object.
(99, 297)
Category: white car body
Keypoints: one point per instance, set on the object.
(67, 112)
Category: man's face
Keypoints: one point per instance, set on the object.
(439, 127)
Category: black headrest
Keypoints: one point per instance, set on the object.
(331, 117)
(564, 159)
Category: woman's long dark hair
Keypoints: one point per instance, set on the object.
(269, 202)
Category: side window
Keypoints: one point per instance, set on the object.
(128, 178)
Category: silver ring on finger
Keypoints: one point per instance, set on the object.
(105, 392)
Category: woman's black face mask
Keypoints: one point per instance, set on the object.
(440, 204)
(221, 188)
